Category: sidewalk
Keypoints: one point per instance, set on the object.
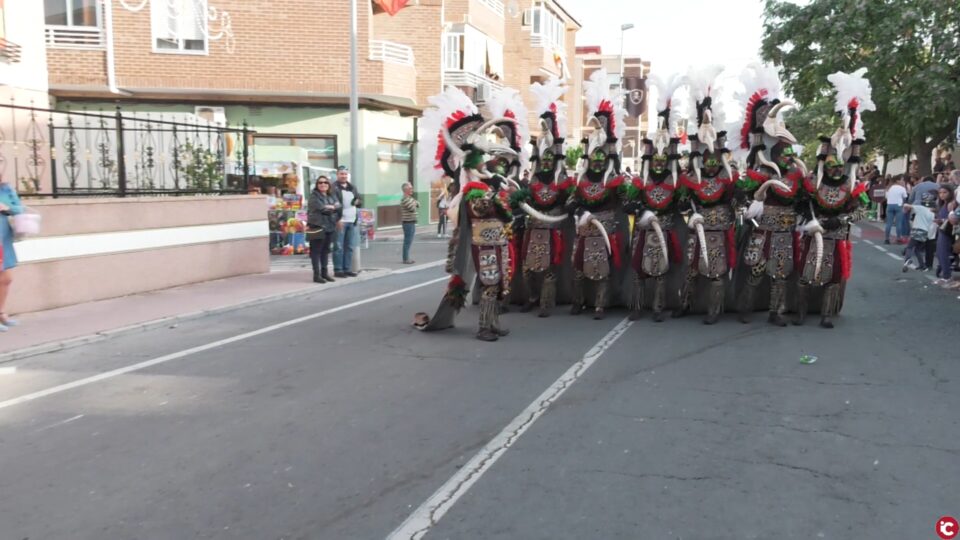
(46, 331)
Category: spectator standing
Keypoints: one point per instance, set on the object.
(347, 236)
(927, 185)
(923, 229)
(10, 205)
(938, 165)
(896, 196)
(945, 206)
(323, 218)
(443, 202)
(409, 208)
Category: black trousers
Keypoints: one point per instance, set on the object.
(930, 251)
(320, 252)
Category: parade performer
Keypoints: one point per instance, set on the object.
(711, 250)
(655, 244)
(834, 200)
(459, 147)
(513, 132)
(773, 179)
(543, 201)
(596, 199)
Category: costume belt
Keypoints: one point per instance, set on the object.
(488, 232)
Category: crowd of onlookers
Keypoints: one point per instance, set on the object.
(921, 212)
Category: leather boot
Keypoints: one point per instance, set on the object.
(714, 301)
(638, 289)
(577, 304)
(778, 303)
(803, 300)
(548, 296)
(828, 307)
(745, 303)
(659, 298)
(686, 298)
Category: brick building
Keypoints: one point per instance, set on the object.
(284, 70)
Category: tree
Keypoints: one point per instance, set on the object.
(911, 49)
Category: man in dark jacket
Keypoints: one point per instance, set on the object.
(349, 199)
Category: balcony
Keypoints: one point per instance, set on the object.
(74, 37)
(9, 51)
(390, 52)
(467, 79)
(495, 5)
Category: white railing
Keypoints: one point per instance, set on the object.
(495, 5)
(388, 51)
(74, 37)
(459, 77)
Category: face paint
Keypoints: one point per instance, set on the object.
(711, 166)
(786, 157)
(659, 163)
(547, 162)
(834, 168)
(598, 160)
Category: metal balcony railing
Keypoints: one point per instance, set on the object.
(459, 77)
(388, 51)
(74, 37)
(495, 5)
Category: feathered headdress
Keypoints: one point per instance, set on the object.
(665, 90)
(702, 84)
(508, 104)
(605, 107)
(549, 108)
(450, 120)
(762, 103)
(853, 95)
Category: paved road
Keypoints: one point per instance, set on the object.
(344, 423)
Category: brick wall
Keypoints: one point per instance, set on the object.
(281, 46)
(420, 27)
(523, 61)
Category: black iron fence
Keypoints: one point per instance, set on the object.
(84, 153)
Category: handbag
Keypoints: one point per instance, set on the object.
(26, 223)
(313, 234)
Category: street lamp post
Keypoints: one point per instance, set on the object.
(624, 28)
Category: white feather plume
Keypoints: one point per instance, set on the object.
(666, 87)
(442, 107)
(702, 82)
(547, 94)
(755, 78)
(849, 86)
(507, 102)
(597, 90)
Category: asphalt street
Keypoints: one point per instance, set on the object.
(330, 417)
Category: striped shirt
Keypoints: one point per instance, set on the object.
(409, 208)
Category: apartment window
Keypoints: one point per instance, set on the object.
(321, 149)
(179, 26)
(453, 51)
(547, 26)
(72, 13)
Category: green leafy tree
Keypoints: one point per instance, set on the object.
(911, 49)
(574, 153)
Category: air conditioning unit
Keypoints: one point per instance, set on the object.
(483, 92)
(217, 115)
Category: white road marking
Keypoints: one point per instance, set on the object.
(433, 509)
(881, 248)
(60, 423)
(9, 370)
(869, 242)
(201, 348)
(418, 267)
(894, 256)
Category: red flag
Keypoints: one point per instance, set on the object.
(391, 6)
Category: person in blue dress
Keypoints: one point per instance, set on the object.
(10, 205)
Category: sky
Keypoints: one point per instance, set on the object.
(674, 34)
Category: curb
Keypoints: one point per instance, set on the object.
(56, 346)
